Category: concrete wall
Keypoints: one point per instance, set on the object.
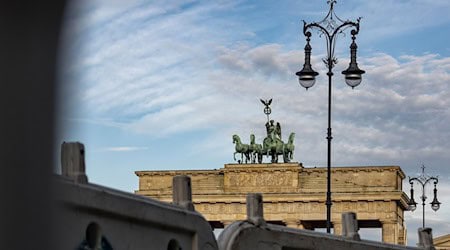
(90, 213)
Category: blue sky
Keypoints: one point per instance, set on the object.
(159, 85)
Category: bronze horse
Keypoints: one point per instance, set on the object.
(242, 149)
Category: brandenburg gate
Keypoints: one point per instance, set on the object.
(293, 195)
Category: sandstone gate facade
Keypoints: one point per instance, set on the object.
(293, 195)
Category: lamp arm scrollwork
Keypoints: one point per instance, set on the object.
(330, 36)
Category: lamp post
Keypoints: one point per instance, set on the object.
(423, 180)
(330, 27)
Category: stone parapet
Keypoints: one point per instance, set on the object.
(348, 183)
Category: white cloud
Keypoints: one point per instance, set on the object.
(385, 120)
(141, 61)
(399, 111)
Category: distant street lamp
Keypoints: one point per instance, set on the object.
(330, 27)
(423, 180)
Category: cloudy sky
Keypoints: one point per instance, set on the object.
(160, 85)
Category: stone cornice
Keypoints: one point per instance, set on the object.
(357, 169)
(270, 167)
(177, 172)
(294, 197)
(443, 240)
(292, 165)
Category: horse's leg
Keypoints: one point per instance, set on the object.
(284, 154)
(285, 157)
(276, 156)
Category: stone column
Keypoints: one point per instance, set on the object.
(306, 226)
(401, 234)
(337, 228)
(390, 232)
(293, 224)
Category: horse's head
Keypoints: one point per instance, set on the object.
(235, 138)
(252, 139)
(291, 138)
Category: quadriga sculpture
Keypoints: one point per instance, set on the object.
(272, 146)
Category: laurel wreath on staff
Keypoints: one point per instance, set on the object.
(267, 109)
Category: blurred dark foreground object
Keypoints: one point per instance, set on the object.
(30, 32)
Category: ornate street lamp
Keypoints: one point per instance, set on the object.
(423, 180)
(330, 27)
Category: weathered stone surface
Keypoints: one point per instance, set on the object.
(245, 235)
(73, 162)
(293, 195)
(442, 242)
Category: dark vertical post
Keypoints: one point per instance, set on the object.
(350, 226)
(426, 239)
(72, 161)
(182, 192)
(329, 138)
(255, 212)
(423, 206)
